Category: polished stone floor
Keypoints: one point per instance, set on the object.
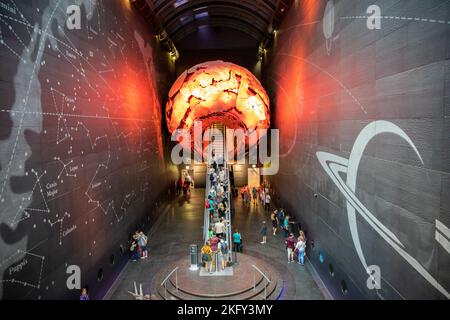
(181, 224)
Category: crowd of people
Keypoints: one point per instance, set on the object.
(255, 195)
(215, 251)
(184, 185)
(295, 247)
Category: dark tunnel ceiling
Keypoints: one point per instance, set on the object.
(181, 18)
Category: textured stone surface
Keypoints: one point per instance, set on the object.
(324, 98)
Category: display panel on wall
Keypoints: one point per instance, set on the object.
(81, 154)
(361, 97)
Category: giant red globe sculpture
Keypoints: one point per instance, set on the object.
(217, 92)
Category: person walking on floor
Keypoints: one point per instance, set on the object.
(300, 248)
(143, 243)
(135, 256)
(290, 246)
(264, 232)
(267, 202)
(273, 218)
(247, 198)
(255, 196)
(286, 226)
(237, 241)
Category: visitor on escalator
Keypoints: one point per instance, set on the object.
(219, 227)
(214, 243)
(210, 232)
(221, 210)
(207, 256)
(210, 207)
(222, 176)
(224, 253)
(214, 162)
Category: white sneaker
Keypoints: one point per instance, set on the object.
(262, 242)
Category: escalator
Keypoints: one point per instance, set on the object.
(218, 146)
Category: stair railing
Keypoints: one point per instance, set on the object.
(266, 280)
(164, 282)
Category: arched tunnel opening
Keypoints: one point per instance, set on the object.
(224, 150)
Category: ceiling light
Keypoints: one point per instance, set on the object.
(180, 3)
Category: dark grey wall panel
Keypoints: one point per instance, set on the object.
(325, 90)
(81, 146)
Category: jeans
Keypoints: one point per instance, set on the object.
(136, 255)
(236, 246)
(301, 256)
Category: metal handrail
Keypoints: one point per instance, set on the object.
(262, 273)
(163, 283)
(228, 214)
(206, 221)
(167, 278)
(266, 279)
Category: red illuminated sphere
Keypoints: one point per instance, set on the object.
(217, 92)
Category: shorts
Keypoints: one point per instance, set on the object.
(219, 235)
(274, 223)
(290, 250)
(206, 257)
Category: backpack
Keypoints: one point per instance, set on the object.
(207, 205)
(224, 248)
(211, 176)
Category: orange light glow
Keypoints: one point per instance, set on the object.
(217, 92)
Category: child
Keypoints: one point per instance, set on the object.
(264, 232)
(143, 243)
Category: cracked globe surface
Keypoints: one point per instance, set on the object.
(217, 92)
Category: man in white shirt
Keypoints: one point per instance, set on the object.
(267, 202)
(222, 176)
(219, 228)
